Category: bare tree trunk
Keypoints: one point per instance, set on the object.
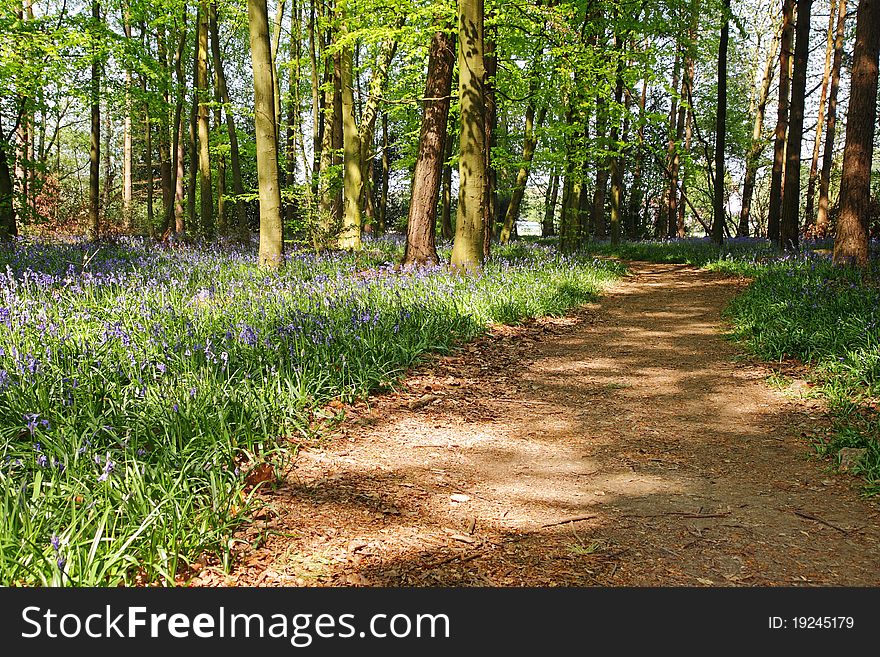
(530, 141)
(93, 226)
(671, 189)
(422, 220)
(8, 224)
(317, 115)
(757, 143)
(352, 182)
(126, 135)
(490, 112)
(275, 42)
(822, 221)
(547, 228)
(206, 194)
(271, 228)
(851, 239)
(789, 227)
(637, 193)
(809, 214)
(719, 213)
(446, 194)
(470, 231)
(108, 173)
(386, 172)
(234, 157)
(164, 140)
(293, 108)
(777, 176)
(598, 210)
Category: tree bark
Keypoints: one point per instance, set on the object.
(126, 134)
(422, 220)
(467, 249)
(789, 225)
(234, 156)
(490, 115)
(777, 176)
(719, 213)
(851, 239)
(93, 226)
(271, 228)
(206, 194)
(547, 227)
(352, 181)
(446, 194)
(809, 212)
(530, 141)
(822, 221)
(757, 143)
(8, 224)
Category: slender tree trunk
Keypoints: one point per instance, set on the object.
(851, 239)
(777, 176)
(386, 173)
(352, 182)
(809, 212)
(490, 115)
(719, 214)
(675, 164)
(634, 223)
(757, 143)
(422, 220)
(108, 173)
(467, 249)
(446, 194)
(234, 156)
(530, 141)
(672, 187)
(206, 194)
(317, 114)
(93, 227)
(176, 222)
(271, 227)
(822, 221)
(547, 228)
(8, 227)
(164, 141)
(126, 135)
(222, 223)
(597, 219)
(789, 226)
(148, 163)
(293, 108)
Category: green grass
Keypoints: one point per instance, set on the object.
(139, 385)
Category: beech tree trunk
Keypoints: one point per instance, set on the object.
(822, 221)
(789, 227)
(92, 228)
(547, 227)
(851, 239)
(719, 213)
(422, 220)
(467, 249)
(271, 227)
(206, 194)
(774, 211)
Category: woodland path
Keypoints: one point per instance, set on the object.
(628, 444)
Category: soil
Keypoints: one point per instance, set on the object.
(626, 444)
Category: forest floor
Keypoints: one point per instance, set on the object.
(627, 444)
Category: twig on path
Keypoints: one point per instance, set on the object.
(683, 514)
(443, 562)
(810, 516)
(565, 522)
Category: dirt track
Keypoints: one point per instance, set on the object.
(627, 444)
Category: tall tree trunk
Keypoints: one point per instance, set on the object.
(597, 219)
(222, 223)
(530, 140)
(422, 219)
(108, 173)
(616, 164)
(446, 194)
(93, 226)
(851, 239)
(126, 134)
(271, 227)
(490, 115)
(164, 140)
(719, 213)
(293, 108)
(789, 226)
(206, 194)
(675, 164)
(386, 173)
(148, 164)
(176, 222)
(467, 249)
(547, 228)
(809, 212)
(352, 180)
(822, 220)
(776, 179)
(234, 156)
(275, 43)
(671, 189)
(317, 114)
(637, 195)
(757, 143)
(8, 227)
